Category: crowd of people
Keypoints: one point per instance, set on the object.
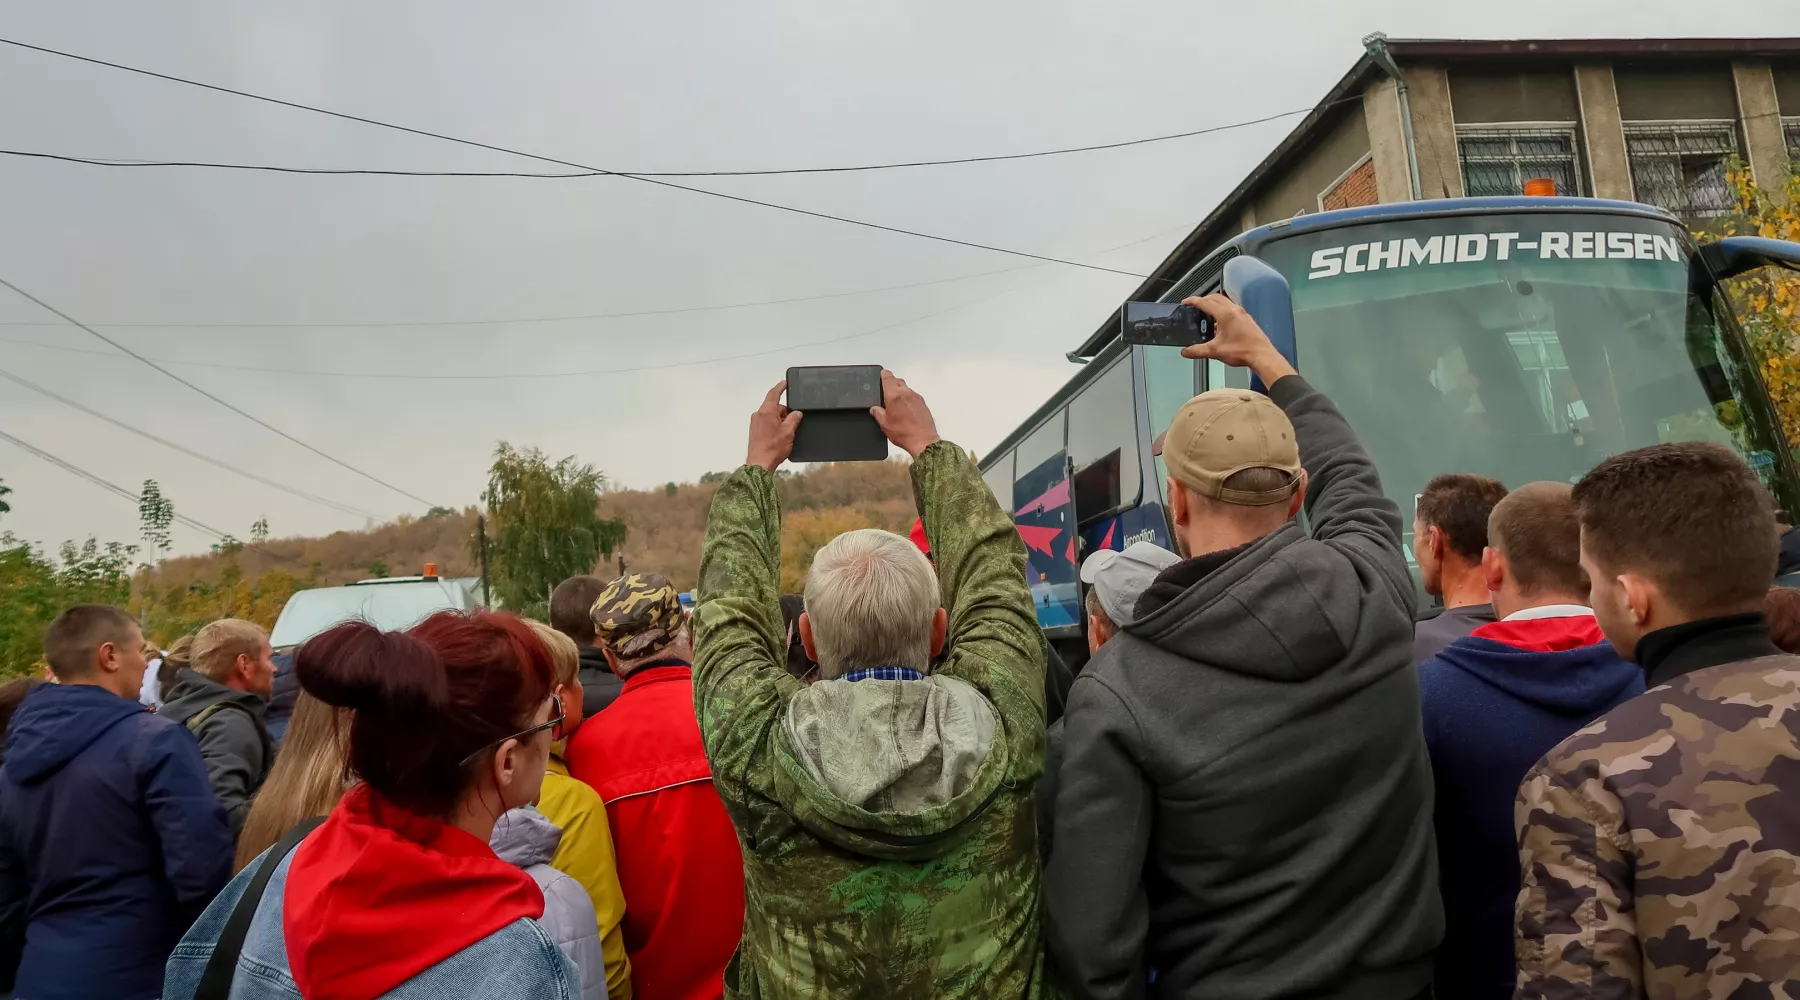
(1267, 781)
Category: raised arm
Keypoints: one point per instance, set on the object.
(1344, 500)
(993, 634)
(741, 686)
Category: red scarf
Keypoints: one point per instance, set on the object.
(378, 895)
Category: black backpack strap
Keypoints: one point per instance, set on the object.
(215, 983)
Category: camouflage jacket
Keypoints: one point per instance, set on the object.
(848, 898)
(1660, 846)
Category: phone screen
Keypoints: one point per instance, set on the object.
(834, 387)
(1164, 324)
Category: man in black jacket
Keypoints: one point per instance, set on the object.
(1244, 809)
(223, 699)
(571, 613)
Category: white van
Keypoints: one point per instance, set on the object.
(390, 603)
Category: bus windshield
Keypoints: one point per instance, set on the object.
(1524, 347)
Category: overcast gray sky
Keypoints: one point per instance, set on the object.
(630, 86)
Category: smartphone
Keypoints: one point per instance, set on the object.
(1164, 324)
(837, 425)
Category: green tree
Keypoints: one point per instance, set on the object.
(35, 588)
(259, 530)
(5, 491)
(545, 524)
(156, 513)
(379, 568)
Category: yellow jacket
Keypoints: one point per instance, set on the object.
(586, 855)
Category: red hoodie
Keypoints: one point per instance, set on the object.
(378, 895)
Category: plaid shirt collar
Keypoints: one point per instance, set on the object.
(883, 674)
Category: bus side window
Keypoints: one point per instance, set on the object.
(1103, 443)
(999, 477)
(1220, 375)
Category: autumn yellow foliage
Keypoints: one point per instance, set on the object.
(1767, 302)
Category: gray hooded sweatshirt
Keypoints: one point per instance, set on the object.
(1244, 805)
(525, 838)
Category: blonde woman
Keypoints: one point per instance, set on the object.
(308, 779)
(586, 851)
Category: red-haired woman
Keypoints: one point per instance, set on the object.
(398, 894)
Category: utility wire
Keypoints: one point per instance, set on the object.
(240, 412)
(122, 492)
(100, 161)
(208, 459)
(550, 319)
(485, 376)
(659, 182)
(386, 324)
(414, 376)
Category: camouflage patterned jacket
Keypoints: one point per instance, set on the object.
(869, 893)
(1660, 846)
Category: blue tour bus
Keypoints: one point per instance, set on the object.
(1520, 338)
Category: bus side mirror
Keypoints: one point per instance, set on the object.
(1265, 295)
(1735, 255)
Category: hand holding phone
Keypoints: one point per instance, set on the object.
(838, 425)
(1165, 324)
(772, 429)
(904, 417)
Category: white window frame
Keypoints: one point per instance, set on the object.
(1361, 161)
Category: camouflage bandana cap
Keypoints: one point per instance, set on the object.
(637, 615)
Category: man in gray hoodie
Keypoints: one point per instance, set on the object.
(1244, 808)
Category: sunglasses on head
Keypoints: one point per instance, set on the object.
(555, 720)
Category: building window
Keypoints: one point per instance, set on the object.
(1354, 189)
(1681, 167)
(1791, 128)
(1498, 161)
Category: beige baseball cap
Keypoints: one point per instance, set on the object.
(1225, 431)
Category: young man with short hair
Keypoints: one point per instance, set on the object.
(223, 699)
(1450, 531)
(111, 842)
(571, 613)
(1657, 845)
(1494, 702)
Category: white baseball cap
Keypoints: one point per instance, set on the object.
(1120, 577)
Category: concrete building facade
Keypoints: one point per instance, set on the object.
(1649, 120)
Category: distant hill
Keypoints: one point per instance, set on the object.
(665, 529)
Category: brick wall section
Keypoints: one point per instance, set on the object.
(1353, 191)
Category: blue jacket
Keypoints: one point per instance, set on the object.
(1494, 703)
(517, 962)
(111, 842)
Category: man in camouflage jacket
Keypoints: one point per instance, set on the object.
(1660, 846)
(847, 898)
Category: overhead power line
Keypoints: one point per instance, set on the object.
(103, 161)
(549, 319)
(640, 178)
(414, 376)
(208, 459)
(125, 494)
(240, 412)
(559, 373)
